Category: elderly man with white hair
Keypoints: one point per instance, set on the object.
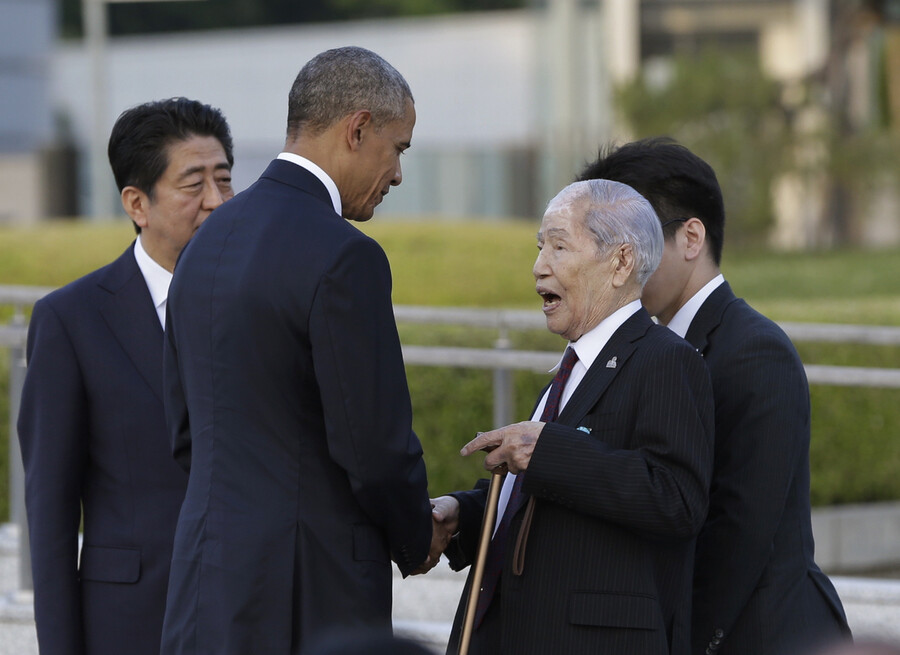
(607, 485)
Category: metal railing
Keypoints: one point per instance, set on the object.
(12, 337)
(501, 359)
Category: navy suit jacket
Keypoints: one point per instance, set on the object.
(287, 399)
(618, 504)
(756, 586)
(93, 436)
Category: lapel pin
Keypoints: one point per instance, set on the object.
(611, 363)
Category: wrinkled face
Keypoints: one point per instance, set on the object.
(196, 181)
(378, 168)
(573, 276)
(664, 293)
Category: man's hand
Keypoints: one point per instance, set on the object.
(445, 513)
(510, 447)
(444, 523)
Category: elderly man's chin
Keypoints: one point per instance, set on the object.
(556, 326)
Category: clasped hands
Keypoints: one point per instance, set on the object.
(508, 449)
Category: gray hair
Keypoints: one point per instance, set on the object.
(618, 214)
(341, 81)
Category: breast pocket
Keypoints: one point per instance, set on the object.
(609, 427)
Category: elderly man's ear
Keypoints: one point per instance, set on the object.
(624, 261)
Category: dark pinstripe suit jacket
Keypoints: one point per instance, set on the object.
(756, 588)
(608, 562)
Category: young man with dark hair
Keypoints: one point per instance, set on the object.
(757, 588)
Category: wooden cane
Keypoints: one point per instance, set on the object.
(487, 529)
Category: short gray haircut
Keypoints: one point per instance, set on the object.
(340, 81)
(618, 214)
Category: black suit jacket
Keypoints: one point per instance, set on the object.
(756, 586)
(93, 434)
(287, 398)
(618, 504)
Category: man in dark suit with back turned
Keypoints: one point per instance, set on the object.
(611, 488)
(757, 589)
(91, 423)
(286, 390)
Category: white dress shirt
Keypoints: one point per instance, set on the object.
(157, 279)
(587, 348)
(313, 168)
(681, 322)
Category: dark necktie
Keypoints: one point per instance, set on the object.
(494, 562)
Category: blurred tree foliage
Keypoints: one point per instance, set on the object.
(723, 108)
(148, 17)
(754, 130)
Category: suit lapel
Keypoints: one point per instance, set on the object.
(606, 366)
(709, 316)
(128, 310)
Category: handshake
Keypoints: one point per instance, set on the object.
(509, 449)
(444, 523)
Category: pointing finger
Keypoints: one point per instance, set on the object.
(483, 441)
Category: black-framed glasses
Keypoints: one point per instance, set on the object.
(674, 220)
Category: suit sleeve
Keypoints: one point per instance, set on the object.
(174, 401)
(365, 398)
(53, 429)
(463, 546)
(658, 482)
(763, 433)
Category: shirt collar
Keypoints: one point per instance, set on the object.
(684, 316)
(313, 168)
(156, 277)
(592, 342)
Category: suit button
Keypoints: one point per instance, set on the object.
(719, 633)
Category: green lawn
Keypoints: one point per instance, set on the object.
(855, 454)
